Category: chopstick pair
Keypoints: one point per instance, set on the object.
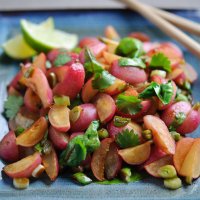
(168, 23)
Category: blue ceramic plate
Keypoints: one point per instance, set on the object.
(87, 23)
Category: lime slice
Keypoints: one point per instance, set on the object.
(17, 48)
(41, 39)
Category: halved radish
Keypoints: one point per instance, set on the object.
(59, 118)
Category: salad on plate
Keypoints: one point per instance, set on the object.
(104, 109)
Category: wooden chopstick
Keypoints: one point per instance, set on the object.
(165, 26)
(183, 23)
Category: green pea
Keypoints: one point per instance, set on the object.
(82, 178)
(125, 174)
(173, 183)
(167, 171)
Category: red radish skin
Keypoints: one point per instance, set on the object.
(138, 117)
(106, 107)
(59, 118)
(148, 46)
(50, 162)
(98, 159)
(8, 149)
(190, 73)
(24, 167)
(35, 82)
(59, 139)
(88, 92)
(75, 134)
(191, 122)
(153, 167)
(87, 115)
(113, 130)
(132, 75)
(88, 41)
(161, 135)
(32, 101)
(113, 162)
(169, 114)
(72, 83)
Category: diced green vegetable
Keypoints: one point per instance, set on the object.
(121, 121)
(81, 178)
(147, 134)
(103, 133)
(62, 100)
(125, 174)
(176, 135)
(160, 61)
(12, 106)
(127, 138)
(173, 183)
(128, 104)
(167, 171)
(188, 180)
(61, 59)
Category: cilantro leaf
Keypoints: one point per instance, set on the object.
(12, 106)
(132, 62)
(91, 64)
(164, 92)
(102, 80)
(77, 148)
(129, 47)
(127, 138)
(61, 59)
(160, 61)
(19, 130)
(179, 118)
(128, 104)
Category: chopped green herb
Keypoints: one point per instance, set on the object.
(91, 64)
(129, 47)
(160, 61)
(132, 62)
(164, 92)
(77, 148)
(121, 121)
(179, 118)
(102, 80)
(19, 130)
(61, 59)
(128, 104)
(127, 138)
(38, 147)
(76, 50)
(12, 106)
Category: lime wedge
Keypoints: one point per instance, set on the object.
(17, 48)
(42, 39)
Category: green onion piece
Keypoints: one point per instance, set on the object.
(147, 134)
(62, 100)
(121, 121)
(167, 171)
(125, 174)
(173, 183)
(103, 133)
(176, 135)
(81, 178)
